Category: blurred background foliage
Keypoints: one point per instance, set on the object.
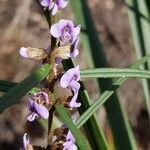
(123, 29)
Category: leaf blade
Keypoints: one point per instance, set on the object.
(114, 73)
(18, 91)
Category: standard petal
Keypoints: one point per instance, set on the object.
(55, 31)
(70, 77)
(67, 78)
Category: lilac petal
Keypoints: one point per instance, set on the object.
(73, 103)
(74, 86)
(51, 5)
(55, 32)
(54, 10)
(57, 28)
(72, 74)
(61, 3)
(23, 52)
(74, 147)
(69, 145)
(70, 137)
(45, 3)
(76, 31)
(67, 78)
(32, 117)
(74, 42)
(41, 110)
(64, 4)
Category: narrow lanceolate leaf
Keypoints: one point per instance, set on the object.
(18, 91)
(106, 95)
(80, 141)
(94, 132)
(140, 24)
(113, 107)
(5, 86)
(114, 73)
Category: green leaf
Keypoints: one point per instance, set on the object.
(95, 50)
(114, 73)
(106, 95)
(18, 91)
(6, 85)
(81, 143)
(139, 17)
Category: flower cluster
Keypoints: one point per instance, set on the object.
(67, 35)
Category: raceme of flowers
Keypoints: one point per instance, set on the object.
(67, 34)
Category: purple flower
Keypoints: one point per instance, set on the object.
(26, 142)
(36, 106)
(70, 142)
(54, 6)
(65, 30)
(70, 79)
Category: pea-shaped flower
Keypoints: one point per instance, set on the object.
(54, 6)
(36, 105)
(65, 30)
(70, 79)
